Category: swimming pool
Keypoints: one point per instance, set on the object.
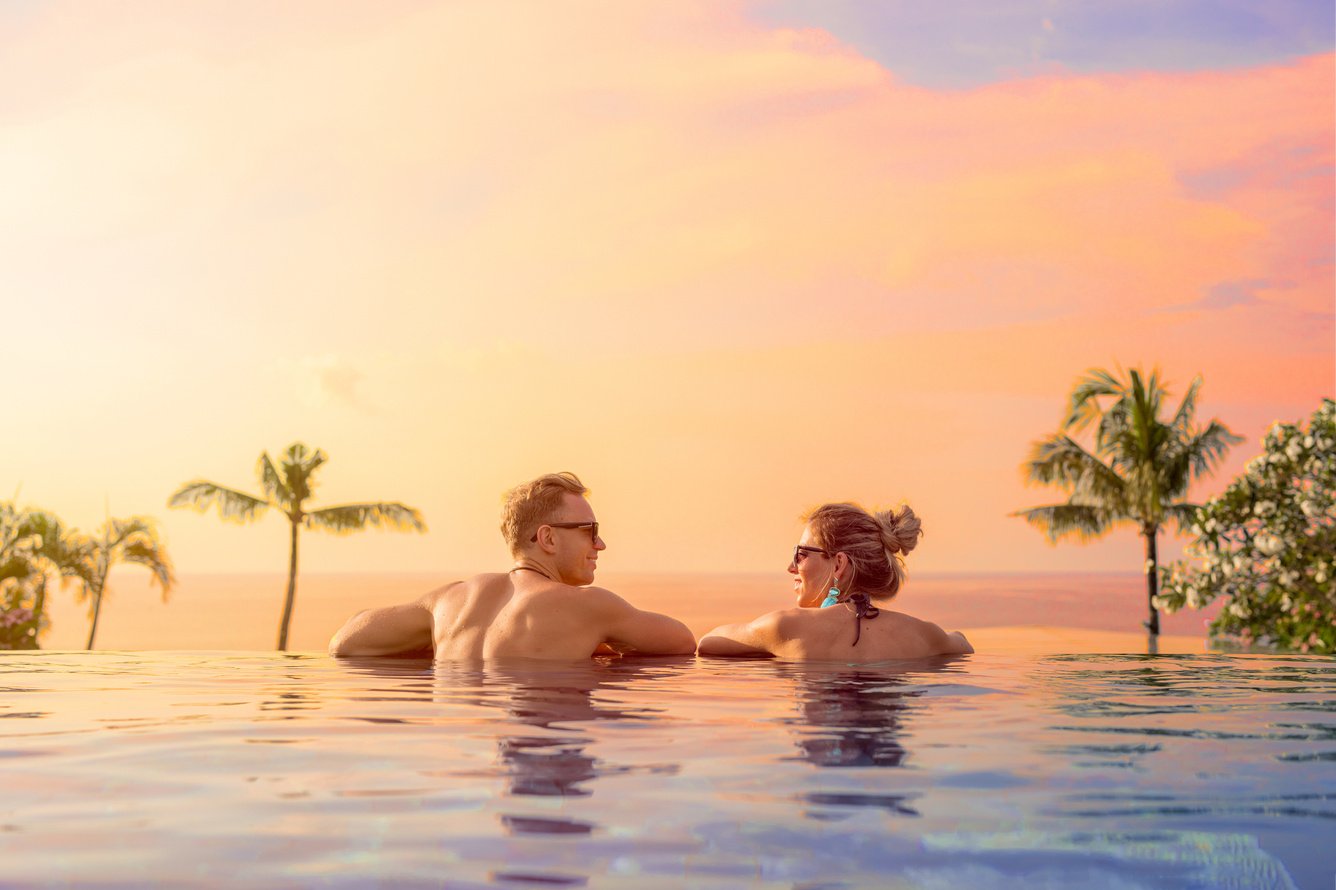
(298, 770)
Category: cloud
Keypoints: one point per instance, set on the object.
(1227, 295)
(659, 233)
(329, 379)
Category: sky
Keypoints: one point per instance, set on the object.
(724, 260)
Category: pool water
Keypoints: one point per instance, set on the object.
(1120, 771)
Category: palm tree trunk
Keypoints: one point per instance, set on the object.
(1152, 578)
(38, 604)
(292, 593)
(97, 611)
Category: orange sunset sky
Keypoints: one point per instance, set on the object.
(725, 260)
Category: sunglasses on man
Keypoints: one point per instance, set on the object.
(592, 526)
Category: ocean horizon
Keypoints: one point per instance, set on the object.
(220, 611)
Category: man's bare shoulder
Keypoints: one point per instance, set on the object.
(464, 588)
(597, 599)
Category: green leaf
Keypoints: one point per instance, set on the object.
(349, 518)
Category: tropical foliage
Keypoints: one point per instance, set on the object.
(287, 486)
(1138, 469)
(134, 541)
(1268, 544)
(21, 594)
(35, 547)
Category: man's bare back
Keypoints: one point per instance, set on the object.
(540, 609)
(524, 614)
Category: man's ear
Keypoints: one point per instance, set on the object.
(546, 539)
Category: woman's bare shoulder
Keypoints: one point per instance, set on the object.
(930, 635)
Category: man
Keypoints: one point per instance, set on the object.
(541, 608)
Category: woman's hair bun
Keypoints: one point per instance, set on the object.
(901, 531)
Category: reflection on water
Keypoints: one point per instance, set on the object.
(557, 700)
(1175, 771)
(850, 717)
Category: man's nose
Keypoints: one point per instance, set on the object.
(600, 544)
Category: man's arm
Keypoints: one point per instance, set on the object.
(645, 633)
(390, 631)
(760, 637)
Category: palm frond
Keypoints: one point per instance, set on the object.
(1183, 514)
(349, 518)
(233, 505)
(147, 551)
(1061, 460)
(1059, 520)
(1187, 408)
(271, 481)
(299, 463)
(1084, 404)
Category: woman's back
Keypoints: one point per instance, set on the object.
(829, 634)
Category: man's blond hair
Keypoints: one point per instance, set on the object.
(528, 506)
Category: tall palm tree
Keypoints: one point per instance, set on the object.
(1140, 468)
(135, 541)
(287, 488)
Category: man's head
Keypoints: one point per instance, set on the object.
(550, 519)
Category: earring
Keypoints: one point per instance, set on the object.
(832, 598)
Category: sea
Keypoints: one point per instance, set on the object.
(242, 611)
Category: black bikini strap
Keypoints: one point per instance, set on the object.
(863, 608)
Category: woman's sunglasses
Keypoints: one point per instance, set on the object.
(801, 552)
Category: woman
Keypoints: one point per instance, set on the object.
(846, 559)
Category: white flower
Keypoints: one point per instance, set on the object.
(1308, 441)
(1320, 576)
(1294, 449)
(1264, 508)
(1238, 610)
(1286, 603)
(1270, 545)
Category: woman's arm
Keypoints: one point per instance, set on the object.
(757, 638)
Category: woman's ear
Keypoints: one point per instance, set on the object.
(841, 563)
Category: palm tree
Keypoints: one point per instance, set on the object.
(135, 541)
(1140, 468)
(34, 545)
(287, 488)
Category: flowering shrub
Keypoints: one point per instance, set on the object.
(1268, 543)
(19, 621)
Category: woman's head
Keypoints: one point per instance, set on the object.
(846, 546)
